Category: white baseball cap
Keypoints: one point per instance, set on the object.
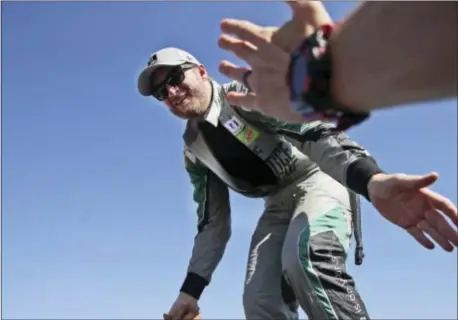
(165, 57)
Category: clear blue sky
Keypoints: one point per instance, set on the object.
(98, 220)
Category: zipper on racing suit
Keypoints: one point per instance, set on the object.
(355, 205)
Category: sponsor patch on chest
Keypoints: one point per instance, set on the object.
(247, 135)
(234, 125)
(242, 132)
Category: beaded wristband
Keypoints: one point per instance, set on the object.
(309, 78)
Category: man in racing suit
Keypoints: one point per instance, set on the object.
(304, 173)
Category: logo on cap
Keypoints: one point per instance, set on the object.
(152, 60)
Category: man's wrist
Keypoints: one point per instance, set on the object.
(375, 178)
(372, 181)
(193, 285)
(359, 175)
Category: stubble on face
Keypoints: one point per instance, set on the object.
(191, 98)
(196, 100)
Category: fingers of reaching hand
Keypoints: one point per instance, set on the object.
(442, 204)
(436, 226)
(255, 54)
(233, 71)
(435, 235)
(242, 49)
(246, 31)
(437, 221)
(418, 234)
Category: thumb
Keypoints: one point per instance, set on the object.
(240, 99)
(298, 6)
(419, 182)
(299, 10)
(312, 13)
(293, 4)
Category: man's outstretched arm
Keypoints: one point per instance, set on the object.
(213, 230)
(335, 153)
(385, 54)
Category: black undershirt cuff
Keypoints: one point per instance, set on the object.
(359, 173)
(194, 285)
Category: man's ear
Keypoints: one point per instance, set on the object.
(202, 72)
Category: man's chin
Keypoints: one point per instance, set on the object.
(188, 115)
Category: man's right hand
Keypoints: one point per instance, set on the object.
(267, 51)
(406, 201)
(185, 307)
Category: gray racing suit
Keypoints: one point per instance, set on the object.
(299, 248)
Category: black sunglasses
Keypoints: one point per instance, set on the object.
(173, 78)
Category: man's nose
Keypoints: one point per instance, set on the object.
(171, 90)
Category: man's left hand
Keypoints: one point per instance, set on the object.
(406, 201)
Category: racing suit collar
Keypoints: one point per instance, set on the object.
(214, 109)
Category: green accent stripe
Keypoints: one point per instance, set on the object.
(332, 220)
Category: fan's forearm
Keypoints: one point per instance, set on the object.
(391, 53)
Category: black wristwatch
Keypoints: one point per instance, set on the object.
(309, 80)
